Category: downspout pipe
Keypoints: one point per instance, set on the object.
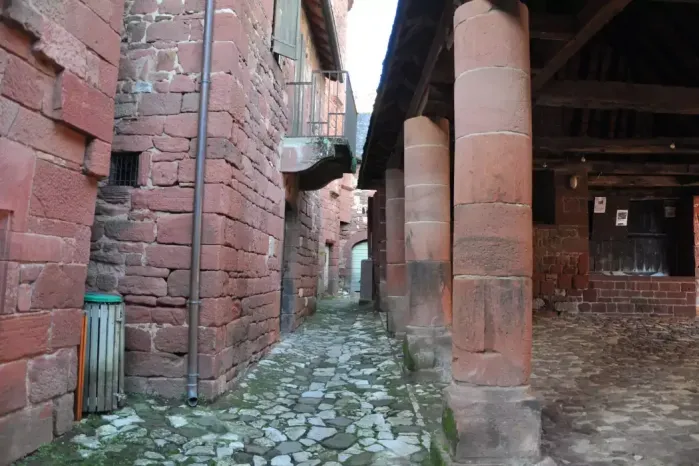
(195, 270)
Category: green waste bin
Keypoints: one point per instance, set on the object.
(103, 377)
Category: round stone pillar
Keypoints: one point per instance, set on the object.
(490, 413)
(428, 244)
(395, 251)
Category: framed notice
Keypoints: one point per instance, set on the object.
(670, 211)
(622, 217)
(600, 205)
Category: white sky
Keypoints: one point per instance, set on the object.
(370, 24)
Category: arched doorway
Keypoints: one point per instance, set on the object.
(360, 252)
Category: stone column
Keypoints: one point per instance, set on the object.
(428, 245)
(395, 251)
(381, 212)
(490, 415)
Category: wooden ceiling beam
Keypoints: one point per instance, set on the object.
(609, 95)
(594, 16)
(643, 181)
(551, 27)
(633, 146)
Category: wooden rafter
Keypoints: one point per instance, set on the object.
(591, 20)
(551, 27)
(609, 95)
(633, 146)
(640, 181)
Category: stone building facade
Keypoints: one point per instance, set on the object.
(98, 129)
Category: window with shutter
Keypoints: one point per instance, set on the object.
(287, 18)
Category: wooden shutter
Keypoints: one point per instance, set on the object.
(286, 28)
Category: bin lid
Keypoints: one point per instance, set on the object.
(102, 298)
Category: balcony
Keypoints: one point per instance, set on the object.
(321, 144)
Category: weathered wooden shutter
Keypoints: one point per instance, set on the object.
(286, 28)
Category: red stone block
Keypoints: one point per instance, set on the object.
(164, 173)
(147, 125)
(478, 111)
(149, 286)
(427, 165)
(685, 311)
(565, 281)
(548, 288)
(217, 312)
(137, 314)
(424, 203)
(224, 58)
(590, 295)
(213, 283)
(175, 31)
(63, 194)
(168, 144)
(24, 431)
(60, 287)
(154, 364)
(507, 181)
(427, 241)
(177, 229)
(671, 286)
(137, 339)
(173, 199)
(171, 339)
(8, 113)
(87, 26)
(170, 257)
(84, 107)
(52, 375)
(160, 104)
(168, 316)
(584, 307)
(97, 158)
(36, 131)
(16, 173)
(217, 171)
(143, 7)
(24, 84)
(13, 389)
(492, 239)
(23, 336)
(65, 328)
(129, 143)
(126, 230)
(182, 83)
(599, 307)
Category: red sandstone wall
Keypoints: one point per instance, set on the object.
(58, 70)
(561, 251)
(659, 296)
(142, 237)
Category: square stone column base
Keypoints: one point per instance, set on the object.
(427, 352)
(397, 315)
(490, 426)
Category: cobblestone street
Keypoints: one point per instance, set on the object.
(616, 392)
(331, 393)
(619, 391)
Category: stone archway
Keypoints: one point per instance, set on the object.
(356, 237)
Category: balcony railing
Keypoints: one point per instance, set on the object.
(324, 107)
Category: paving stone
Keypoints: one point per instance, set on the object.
(339, 441)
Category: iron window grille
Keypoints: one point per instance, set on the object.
(124, 169)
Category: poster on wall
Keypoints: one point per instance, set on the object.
(600, 205)
(622, 218)
(670, 211)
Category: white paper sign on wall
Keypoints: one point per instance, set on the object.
(600, 205)
(622, 218)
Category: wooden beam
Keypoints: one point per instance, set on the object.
(609, 95)
(551, 27)
(612, 167)
(617, 146)
(649, 181)
(591, 19)
(436, 48)
(690, 2)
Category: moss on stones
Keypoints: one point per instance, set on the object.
(408, 360)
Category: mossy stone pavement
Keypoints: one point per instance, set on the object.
(333, 393)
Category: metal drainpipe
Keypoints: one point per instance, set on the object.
(195, 271)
